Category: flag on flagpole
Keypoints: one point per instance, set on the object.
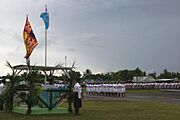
(29, 38)
(45, 17)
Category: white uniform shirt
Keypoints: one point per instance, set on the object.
(78, 88)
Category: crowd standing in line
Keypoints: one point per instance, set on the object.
(152, 85)
(116, 89)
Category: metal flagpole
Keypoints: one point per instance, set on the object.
(45, 47)
(45, 53)
(28, 63)
(45, 17)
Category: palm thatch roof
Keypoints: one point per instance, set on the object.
(41, 68)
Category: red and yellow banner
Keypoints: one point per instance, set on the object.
(29, 38)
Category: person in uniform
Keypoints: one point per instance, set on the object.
(77, 97)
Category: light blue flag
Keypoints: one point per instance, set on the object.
(45, 17)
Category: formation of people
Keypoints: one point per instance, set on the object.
(116, 90)
(62, 86)
(152, 86)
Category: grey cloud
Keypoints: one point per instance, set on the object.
(104, 35)
(92, 46)
(71, 49)
(85, 37)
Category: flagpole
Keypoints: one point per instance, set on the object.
(45, 17)
(45, 53)
(28, 63)
(45, 47)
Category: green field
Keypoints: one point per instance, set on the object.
(40, 111)
(110, 110)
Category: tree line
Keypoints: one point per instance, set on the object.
(127, 75)
(121, 75)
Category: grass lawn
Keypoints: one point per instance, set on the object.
(110, 110)
(41, 111)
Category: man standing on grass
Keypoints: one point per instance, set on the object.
(77, 97)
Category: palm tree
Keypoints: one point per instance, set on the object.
(87, 74)
(10, 87)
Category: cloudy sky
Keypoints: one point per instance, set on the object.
(102, 35)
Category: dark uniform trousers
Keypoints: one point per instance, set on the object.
(77, 103)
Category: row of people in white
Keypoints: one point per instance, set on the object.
(152, 85)
(106, 89)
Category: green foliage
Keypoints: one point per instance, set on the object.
(9, 93)
(87, 74)
(168, 75)
(121, 75)
(74, 75)
(2, 99)
(127, 75)
(153, 75)
(31, 97)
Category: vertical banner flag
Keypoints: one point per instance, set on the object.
(45, 17)
(29, 38)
